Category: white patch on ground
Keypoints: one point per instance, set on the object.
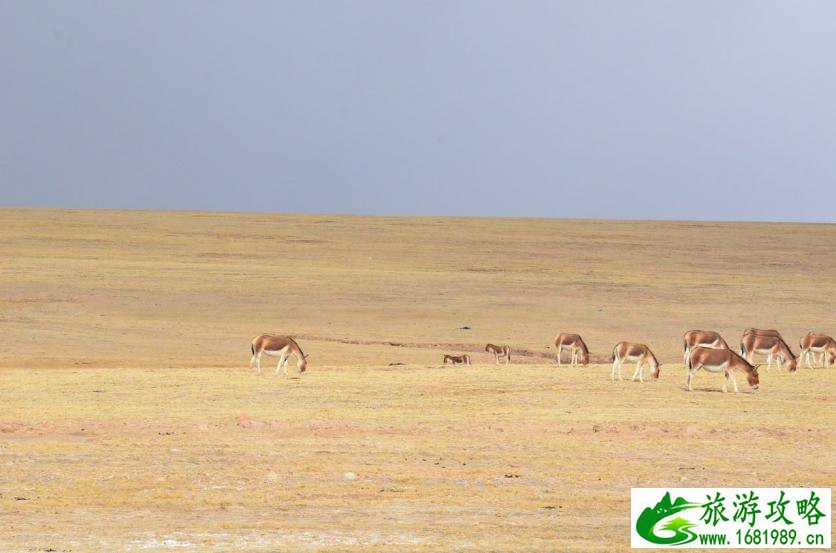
(163, 542)
(269, 541)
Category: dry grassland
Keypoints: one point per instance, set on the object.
(129, 421)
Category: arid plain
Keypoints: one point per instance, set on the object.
(129, 419)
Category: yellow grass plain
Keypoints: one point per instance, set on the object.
(129, 419)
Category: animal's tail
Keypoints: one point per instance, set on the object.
(612, 357)
(741, 349)
(253, 359)
(688, 363)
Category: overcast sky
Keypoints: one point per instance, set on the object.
(617, 109)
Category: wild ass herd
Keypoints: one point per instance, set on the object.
(703, 349)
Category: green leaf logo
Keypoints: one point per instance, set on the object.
(681, 528)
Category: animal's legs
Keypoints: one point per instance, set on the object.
(638, 371)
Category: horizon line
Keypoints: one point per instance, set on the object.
(411, 216)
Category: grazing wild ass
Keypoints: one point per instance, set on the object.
(576, 346)
(632, 352)
(721, 360)
(769, 344)
(814, 344)
(504, 351)
(704, 339)
(457, 359)
(277, 346)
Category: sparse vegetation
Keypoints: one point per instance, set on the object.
(130, 421)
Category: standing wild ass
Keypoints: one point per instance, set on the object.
(702, 338)
(504, 351)
(277, 346)
(721, 360)
(814, 344)
(769, 343)
(632, 352)
(576, 346)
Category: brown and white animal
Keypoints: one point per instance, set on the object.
(457, 359)
(277, 346)
(721, 360)
(814, 344)
(632, 352)
(504, 351)
(763, 332)
(576, 346)
(769, 344)
(704, 339)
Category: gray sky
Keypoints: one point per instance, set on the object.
(619, 109)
